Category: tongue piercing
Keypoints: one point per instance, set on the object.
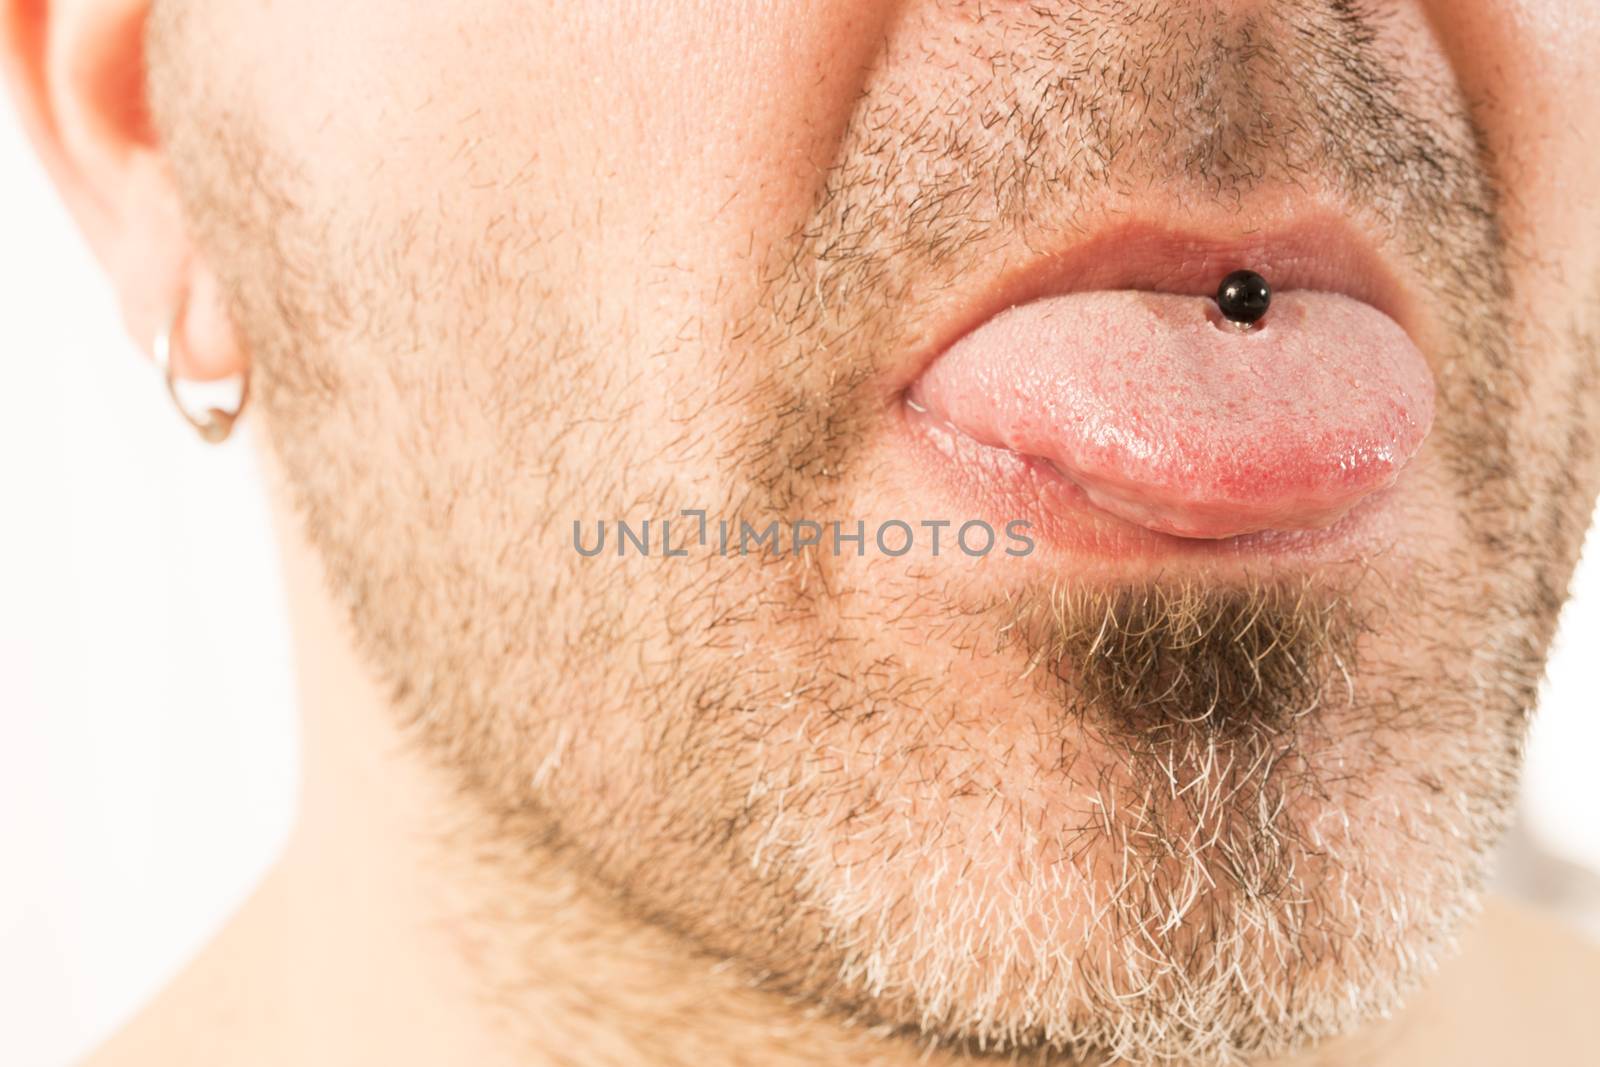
(1243, 297)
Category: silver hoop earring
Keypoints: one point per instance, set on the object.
(214, 425)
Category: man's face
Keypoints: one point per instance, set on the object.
(506, 267)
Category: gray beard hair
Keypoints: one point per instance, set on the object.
(1202, 849)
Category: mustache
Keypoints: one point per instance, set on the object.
(1050, 113)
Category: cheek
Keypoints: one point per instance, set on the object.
(1527, 70)
(624, 168)
(644, 144)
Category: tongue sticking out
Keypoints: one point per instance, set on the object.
(1171, 417)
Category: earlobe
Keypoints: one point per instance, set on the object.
(77, 72)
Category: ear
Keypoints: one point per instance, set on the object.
(76, 69)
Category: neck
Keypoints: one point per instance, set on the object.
(401, 926)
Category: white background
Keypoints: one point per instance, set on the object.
(146, 706)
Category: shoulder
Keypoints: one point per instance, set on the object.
(1550, 958)
(1523, 990)
(215, 1010)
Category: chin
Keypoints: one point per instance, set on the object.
(1194, 903)
(1020, 843)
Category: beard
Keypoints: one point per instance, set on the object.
(1188, 816)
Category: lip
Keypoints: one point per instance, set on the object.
(1323, 252)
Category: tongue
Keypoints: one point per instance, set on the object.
(1173, 418)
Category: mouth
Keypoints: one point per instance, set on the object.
(1102, 394)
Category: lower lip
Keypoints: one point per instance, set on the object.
(1002, 486)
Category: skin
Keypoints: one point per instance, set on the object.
(492, 274)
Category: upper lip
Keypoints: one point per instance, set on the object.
(1325, 252)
